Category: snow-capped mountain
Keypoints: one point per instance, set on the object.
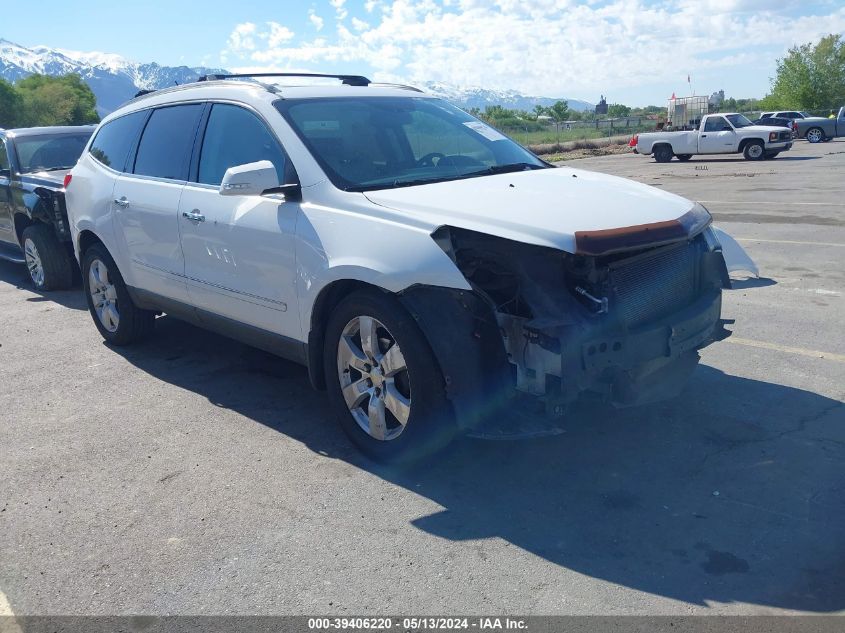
(114, 80)
(476, 97)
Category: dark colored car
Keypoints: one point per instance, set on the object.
(33, 218)
(779, 122)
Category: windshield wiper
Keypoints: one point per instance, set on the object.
(512, 167)
(487, 171)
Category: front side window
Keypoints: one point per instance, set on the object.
(366, 143)
(716, 124)
(234, 136)
(114, 140)
(165, 147)
(50, 152)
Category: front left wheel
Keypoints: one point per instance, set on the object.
(118, 319)
(754, 151)
(384, 381)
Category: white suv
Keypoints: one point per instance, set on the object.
(429, 272)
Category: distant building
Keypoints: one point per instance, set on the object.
(716, 99)
(601, 106)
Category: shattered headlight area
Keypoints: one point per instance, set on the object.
(626, 325)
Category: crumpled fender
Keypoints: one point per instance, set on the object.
(735, 256)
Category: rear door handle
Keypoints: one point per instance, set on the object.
(194, 216)
(122, 202)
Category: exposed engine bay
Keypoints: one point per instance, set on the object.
(626, 325)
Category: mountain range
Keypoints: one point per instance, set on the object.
(114, 80)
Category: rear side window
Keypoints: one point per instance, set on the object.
(165, 147)
(234, 136)
(114, 140)
(5, 170)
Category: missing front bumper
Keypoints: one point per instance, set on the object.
(631, 367)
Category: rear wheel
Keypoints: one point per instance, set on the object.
(815, 135)
(47, 259)
(117, 318)
(754, 151)
(684, 157)
(384, 381)
(663, 153)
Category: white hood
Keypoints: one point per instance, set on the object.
(543, 207)
(764, 128)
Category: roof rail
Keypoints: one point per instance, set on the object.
(391, 85)
(349, 80)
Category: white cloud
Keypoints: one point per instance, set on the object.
(241, 38)
(359, 25)
(316, 20)
(552, 47)
(340, 11)
(278, 34)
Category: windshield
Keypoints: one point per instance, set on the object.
(737, 120)
(50, 152)
(384, 142)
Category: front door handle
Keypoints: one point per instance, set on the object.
(194, 216)
(122, 202)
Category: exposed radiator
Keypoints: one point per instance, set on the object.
(651, 286)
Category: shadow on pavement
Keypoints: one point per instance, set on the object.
(752, 282)
(732, 493)
(16, 275)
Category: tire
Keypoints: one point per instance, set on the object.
(814, 135)
(770, 155)
(684, 157)
(117, 318)
(428, 419)
(754, 150)
(663, 153)
(47, 260)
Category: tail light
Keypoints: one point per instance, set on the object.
(68, 178)
(634, 140)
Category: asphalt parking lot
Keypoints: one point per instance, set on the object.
(192, 474)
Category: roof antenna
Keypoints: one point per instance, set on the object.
(176, 82)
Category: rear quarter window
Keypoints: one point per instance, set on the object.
(114, 140)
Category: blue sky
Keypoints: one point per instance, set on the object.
(633, 51)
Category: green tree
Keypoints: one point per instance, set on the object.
(810, 77)
(63, 100)
(559, 111)
(10, 105)
(539, 110)
(617, 110)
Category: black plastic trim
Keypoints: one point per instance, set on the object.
(277, 344)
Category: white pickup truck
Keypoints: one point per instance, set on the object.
(717, 134)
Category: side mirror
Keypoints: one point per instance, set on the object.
(252, 179)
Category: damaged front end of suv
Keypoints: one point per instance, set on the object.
(623, 316)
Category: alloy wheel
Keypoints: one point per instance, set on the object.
(374, 378)
(103, 295)
(814, 135)
(33, 262)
